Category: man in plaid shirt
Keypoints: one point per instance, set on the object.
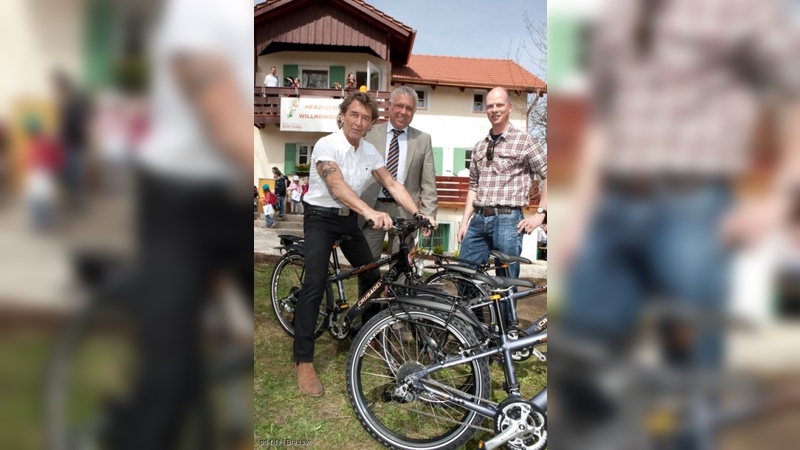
(500, 176)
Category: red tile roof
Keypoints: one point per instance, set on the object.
(467, 72)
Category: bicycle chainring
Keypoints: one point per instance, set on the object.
(339, 330)
(526, 418)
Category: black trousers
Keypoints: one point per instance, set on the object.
(321, 231)
(189, 233)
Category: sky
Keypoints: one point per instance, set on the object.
(470, 28)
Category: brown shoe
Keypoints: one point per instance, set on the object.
(307, 379)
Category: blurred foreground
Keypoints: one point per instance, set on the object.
(675, 191)
(125, 149)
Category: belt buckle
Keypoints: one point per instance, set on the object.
(344, 211)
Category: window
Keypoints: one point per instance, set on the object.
(479, 101)
(314, 79)
(423, 98)
(304, 152)
(440, 236)
(468, 158)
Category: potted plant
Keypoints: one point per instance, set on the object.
(302, 169)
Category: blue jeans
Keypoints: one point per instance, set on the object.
(281, 205)
(268, 219)
(498, 232)
(486, 233)
(665, 245)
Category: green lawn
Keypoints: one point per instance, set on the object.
(282, 412)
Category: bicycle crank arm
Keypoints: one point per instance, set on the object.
(502, 438)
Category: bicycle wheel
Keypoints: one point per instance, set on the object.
(399, 341)
(463, 287)
(287, 279)
(91, 372)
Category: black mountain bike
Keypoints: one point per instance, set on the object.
(336, 314)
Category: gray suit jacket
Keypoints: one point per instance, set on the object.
(420, 175)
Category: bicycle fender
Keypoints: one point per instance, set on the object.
(439, 306)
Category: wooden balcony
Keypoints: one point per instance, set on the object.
(267, 102)
(452, 192)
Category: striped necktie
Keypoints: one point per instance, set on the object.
(394, 159)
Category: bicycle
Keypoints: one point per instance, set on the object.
(418, 375)
(458, 281)
(336, 314)
(93, 366)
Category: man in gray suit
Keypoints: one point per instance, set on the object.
(409, 158)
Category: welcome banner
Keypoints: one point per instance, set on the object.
(309, 114)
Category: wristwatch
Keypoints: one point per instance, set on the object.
(541, 211)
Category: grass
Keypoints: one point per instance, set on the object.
(281, 412)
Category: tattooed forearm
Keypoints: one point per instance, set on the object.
(326, 168)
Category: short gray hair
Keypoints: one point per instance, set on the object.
(405, 90)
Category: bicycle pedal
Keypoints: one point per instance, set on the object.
(341, 307)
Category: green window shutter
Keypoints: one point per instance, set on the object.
(437, 160)
(289, 157)
(336, 74)
(290, 70)
(459, 159)
(99, 52)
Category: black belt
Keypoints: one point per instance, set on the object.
(495, 210)
(325, 211)
(386, 200)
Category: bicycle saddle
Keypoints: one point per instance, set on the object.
(502, 257)
(501, 282)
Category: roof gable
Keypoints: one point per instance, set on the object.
(349, 23)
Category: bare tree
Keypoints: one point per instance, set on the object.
(534, 50)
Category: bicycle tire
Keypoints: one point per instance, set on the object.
(286, 281)
(91, 369)
(404, 333)
(465, 288)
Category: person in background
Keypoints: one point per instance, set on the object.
(295, 195)
(303, 191)
(44, 160)
(271, 80)
(269, 202)
(350, 82)
(74, 110)
(281, 186)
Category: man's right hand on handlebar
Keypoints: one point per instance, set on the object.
(379, 220)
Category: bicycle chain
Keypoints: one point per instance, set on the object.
(474, 398)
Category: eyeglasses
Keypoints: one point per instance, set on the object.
(490, 152)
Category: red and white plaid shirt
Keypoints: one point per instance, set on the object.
(506, 179)
(690, 103)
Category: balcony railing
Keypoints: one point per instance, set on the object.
(267, 101)
(452, 192)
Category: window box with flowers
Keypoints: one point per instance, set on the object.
(302, 169)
